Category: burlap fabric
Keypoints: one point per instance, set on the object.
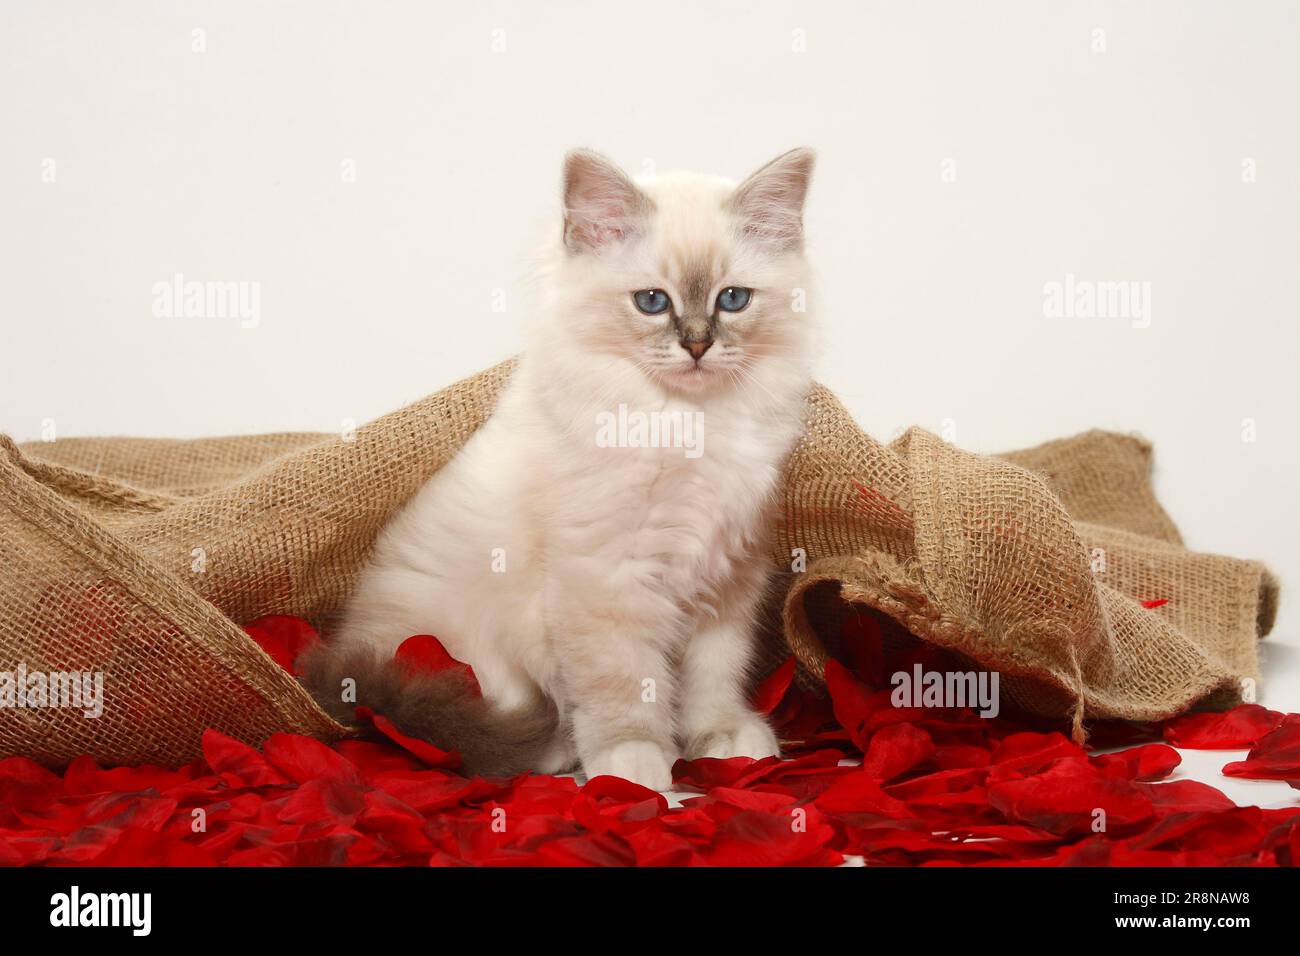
(139, 558)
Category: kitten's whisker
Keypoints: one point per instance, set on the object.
(749, 374)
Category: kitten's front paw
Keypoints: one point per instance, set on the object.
(641, 761)
(746, 736)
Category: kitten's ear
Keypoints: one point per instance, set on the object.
(769, 204)
(602, 207)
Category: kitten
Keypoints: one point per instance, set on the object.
(604, 592)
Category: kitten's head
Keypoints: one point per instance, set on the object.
(696, 282)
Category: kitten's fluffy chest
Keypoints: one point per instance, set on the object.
(672, 515)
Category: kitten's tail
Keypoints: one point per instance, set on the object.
(443, 708)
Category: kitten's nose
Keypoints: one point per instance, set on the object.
(697, 349)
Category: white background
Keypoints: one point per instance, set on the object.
(226, 164)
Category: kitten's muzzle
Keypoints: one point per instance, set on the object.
(697, 347)
(695, 334)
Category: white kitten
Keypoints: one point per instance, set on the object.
(606, 596)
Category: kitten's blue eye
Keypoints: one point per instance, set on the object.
(733, 298)
(652, 301)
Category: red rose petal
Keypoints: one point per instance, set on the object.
(239, 763)
(1025, 753)
(324, 799)
(302, 759)
(424, 653)
(427, 752)
(853, 703)
(595, 849)
(283, 637)
(1185, 796)
(705, 773)
(769, 693)
(1236, 729)
(429, 791)
(960, 756)
(1069, 798)
(896, 749)
(84, 776)
(862, 643)
(1231, 833)
(754, 838)
(1146, 763)
(26, 785)
(654, 847)
(1275, 757)
(858, 794)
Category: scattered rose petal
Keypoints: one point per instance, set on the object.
(769, 693)
(1275, 757)
(427, 752)
(1235, 729)
(425, 653)
(283, 637)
